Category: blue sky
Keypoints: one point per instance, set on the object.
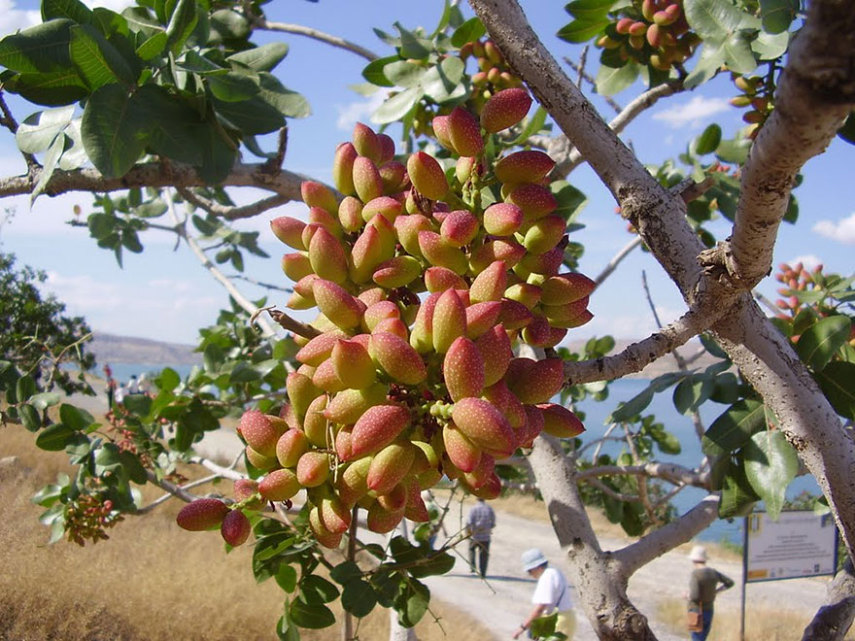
(166, 294)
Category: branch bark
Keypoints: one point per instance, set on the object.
(815, 94)
(315, 34)
(835, 618)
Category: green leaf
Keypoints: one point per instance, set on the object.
(442, 82)
(44, 400)
(770, 464)
(313, 617)
(289, 103)
(74, 417)
(580, 31)
(847, 131)
(691, 393)
(708, 141)
(769, 46)
(589, 10)
(710, 61)
(777, 15)
(181, 24)
(316, 589)
(374, 71)
(55, 437)
(738, 54)
(412, 46)
(571, 201)
(286, 578)
(49, 163)
(437, 563)
(134, 468)
(39, 49)
(836, 383)
(138, 404)
(734, 427)
(263, 58)
(51, 89)
(30, 418)
(358, 598)
(469, 31)
(72, 9)
(733, 151)
(168, 380)
(176, 127)
(115, 128)
(412, 602)
(25, 387)
(817, 345)
(632, 407)
(200, 65)
(397, 106)
(737, 495)
(96, 60)
(233, 86)
(153, 47)
(405, 73)
(717, 20)
(39, 130)
(611, 81)
(285, 631)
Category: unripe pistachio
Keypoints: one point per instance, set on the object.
(366, 143)
(461, 451)
(350, 214)
(345, 155)
(427, 175)
(528, 166)
(463, 369)
(505, 109)
(383, 205)
(289, 231)
(459, 227)
(367, 180)
(465, 133)
(502, 219)
(315, 194)
(327, 256)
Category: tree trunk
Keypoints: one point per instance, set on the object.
(833, 620)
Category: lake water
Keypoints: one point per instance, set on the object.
(596, 413)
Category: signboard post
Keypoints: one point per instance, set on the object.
(798, 544)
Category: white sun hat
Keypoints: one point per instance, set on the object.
(698, 554)
(532, 558)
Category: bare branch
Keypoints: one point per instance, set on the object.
(232, 212)
(315, 34)
(288, 323)
(815, 94)
(834, 619)
(616, 260)
(637, 356)
(671, 472)
(568, 157)
(656, 543)
(221, 278)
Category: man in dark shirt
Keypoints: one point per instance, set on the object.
(703, 587)
(480, 524)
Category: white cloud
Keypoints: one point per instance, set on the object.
(12, 19)
(629, 326)
(843, 231)
(163, 309)
(693, 112)
(359, 111)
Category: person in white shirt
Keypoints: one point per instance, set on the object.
(552, 594)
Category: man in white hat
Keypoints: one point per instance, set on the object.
(703, 586)
(551, 594)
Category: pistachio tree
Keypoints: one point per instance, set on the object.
(441, 270)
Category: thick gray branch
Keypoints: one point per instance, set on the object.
(671, 472)
(834, 619)
(153, 174)
(815, 94)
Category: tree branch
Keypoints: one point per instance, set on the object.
(834, 618)
(656, 543)
(232, 212)
(815, 94)
(155, 174)
(617, 259)
(671, 472)
(315, 34)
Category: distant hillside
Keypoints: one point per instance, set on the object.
(109, 348)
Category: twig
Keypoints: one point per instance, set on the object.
(616, 260)
(229, 286)
(315, 34)
(259, 283)
(232, 212)
(288, 323)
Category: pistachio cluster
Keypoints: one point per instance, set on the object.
(422, 293)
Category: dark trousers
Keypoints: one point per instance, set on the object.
(483, 550)
(707, 619)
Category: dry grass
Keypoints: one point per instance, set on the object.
(761, 624)
(150, 582)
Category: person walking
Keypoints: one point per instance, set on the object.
(703, 587)
(480, 523)
(551, 594)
